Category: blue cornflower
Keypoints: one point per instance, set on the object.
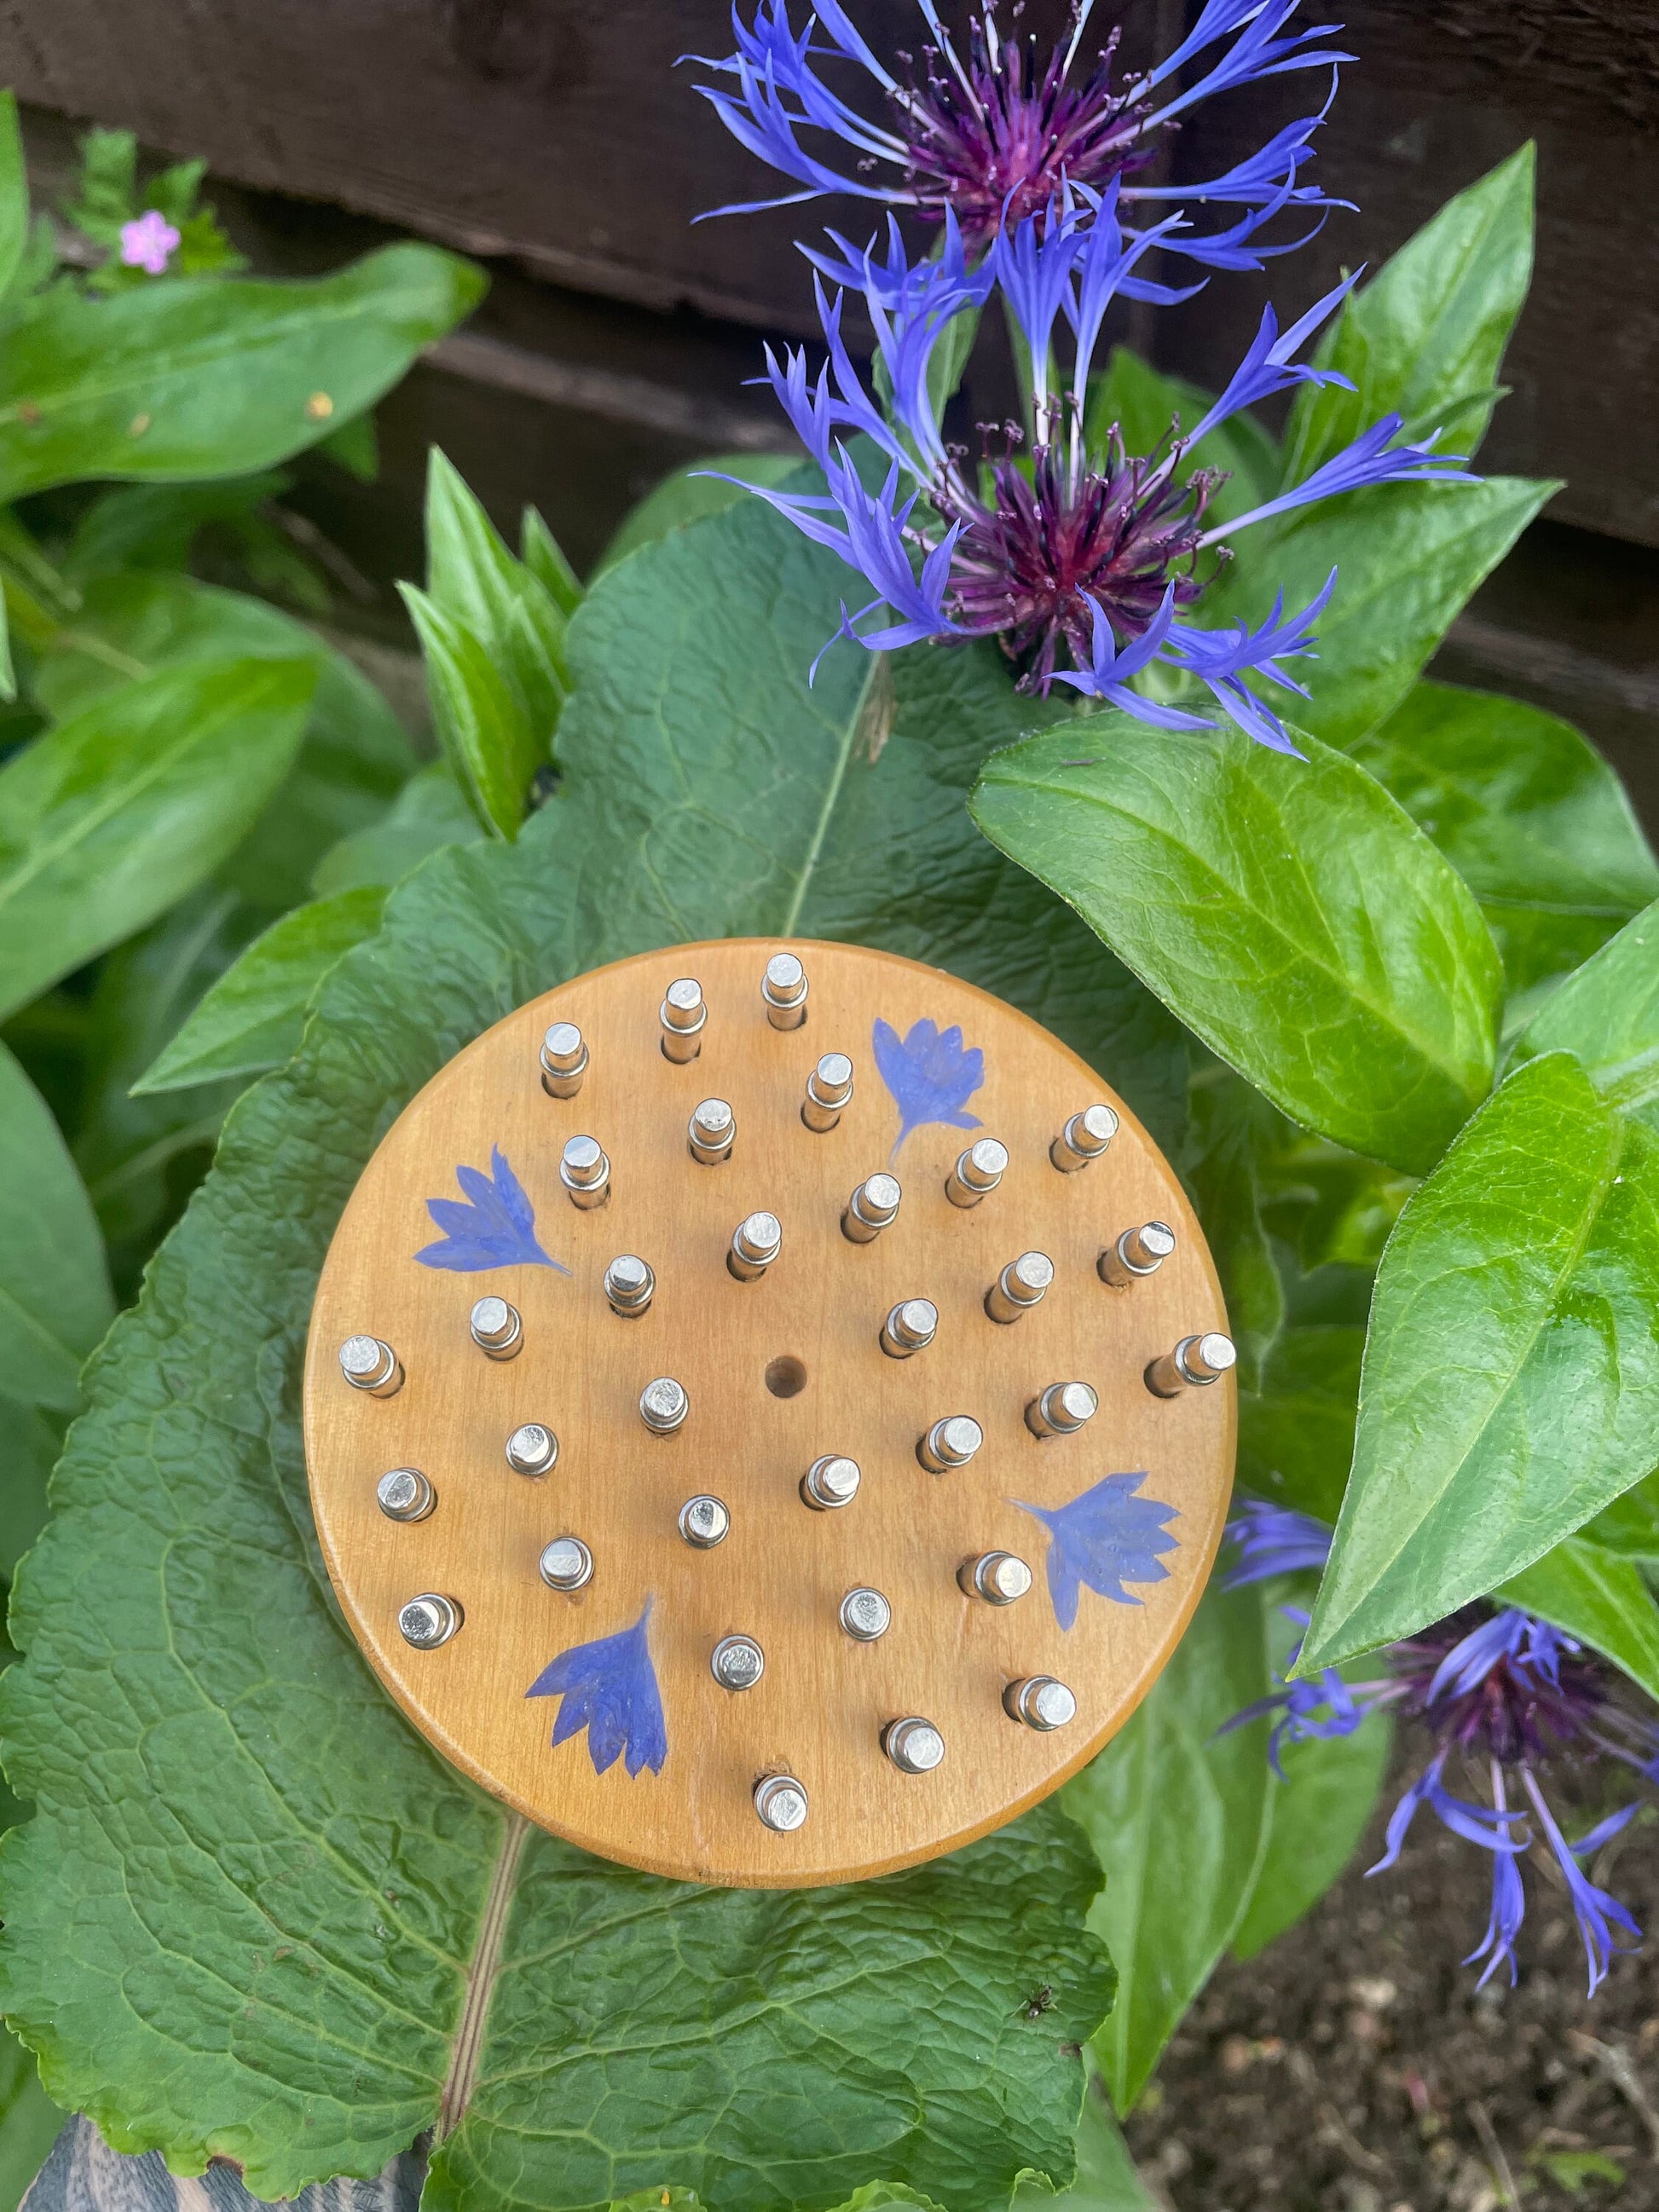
(987, 134)
(930, 1075)
(1503, 1692)
(1092, 555)
(1105, 1538)
(496, 1227)
(609, 1688)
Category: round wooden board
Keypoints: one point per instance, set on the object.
(780, 1574)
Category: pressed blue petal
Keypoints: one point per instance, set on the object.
(930, 1076)
(610, 1689)
(1104, 1539)
(494, 1227)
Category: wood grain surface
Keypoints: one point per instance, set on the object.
(780, 1574)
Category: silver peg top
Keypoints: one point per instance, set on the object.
(872, 1207)
(1040, 1701)
(532, 1448)
(704, 1521)
(711, 1132)
(831, 1481)
(783, 986)
(978, 1169)
(564, 1060)
(756, 1243)
(865, 1616)
(914, 1745)
(1000, 1577)
(429, 1620)
(781, 1803)
(682, 1015)
(585, 1172)
(1019, 1287)
(664, 1406)
(630, 1285)
(1084, 1138)
(1136, 1253)
(496, 1328)
(737, 1662)
(566, 1564)
(829, 1089)
(369, 1364)
(404, 1493)
(1195, 1360)
(910, 1327)
(1062, 1409)
(950, 1443)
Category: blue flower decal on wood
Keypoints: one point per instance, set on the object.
(931, 1077)
(610, 1689)
(1106, 1537)
(495, 1227)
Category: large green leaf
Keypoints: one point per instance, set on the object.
(210, 376)
(1595, 1594)
(251, 1018)
(1512, 1366)
(29, 2122)
(1407, 556)
(1425, 338)
(1180, 1817)
(1630, 1526)
(1228, 1124)
(1107, 2180)
(55, 1300)
(289, 1890)
(1529, 814)
(30, 1441)
(429, 813)
(1607, 1015)
(108, 819)
(14, 193)
(700, 488)
(1288, 910)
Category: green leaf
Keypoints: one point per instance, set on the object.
(1528, 812)
(543, 556)
(294, 1880)
(1143, 402)
(55, 1300)
(700, 488)
(1607, 1015)
(1630, 1526)
(1286, 909)
(1295, 1430)
(486, 736)
(209, 376)
(428, 813)
(502, 604)
(1316, 1815)
(14, 194)
(1230, 1124)
(29, 2121)
(30, 1441)
(1598, 1596)
(1510, 1372)
(1424, 339)
(1408, 557)
(1106, 2178)
(251, 1018)
(108, 819)
(1179, 1815)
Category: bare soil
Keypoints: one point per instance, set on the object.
(1353, 2067)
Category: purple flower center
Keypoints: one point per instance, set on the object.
(991, 136)
(1519, 1710)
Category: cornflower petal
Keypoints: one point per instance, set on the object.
(1371, 459)
(1109, 669)
(1598, 1912)
(1509, 1910)
(1034, 272)
(1273, 1540)
(1476, 1824)
(1267, 366)
(1258, 177)
(1254, 56)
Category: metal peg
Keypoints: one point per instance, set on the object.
(914, 1745)
(780, 1802)
(1019, 1286)
(1040, 1701)
(871, 1209)
(998, 1577)
(829, 1088)
(910, 1327)
(566, 1564)
(704, 1521)
(585, 1172)
(1084, 1138)
(756, 1243)
(737, 1662)
(1137, 1252)
(710, 1132)
(950, 1443)
(564, 1060)
(980, 1168)
(630, 1285)
(830, 1481)
(865, 1616)
(664, 1406)
(404, 1493)
(497, 1329)
(1195, 1359)
(429, 1620)
(783, 986)
(532, 1448)
(684, 1016)
(369, 1364)
(1060, 1410)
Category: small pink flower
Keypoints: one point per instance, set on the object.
(149, 243)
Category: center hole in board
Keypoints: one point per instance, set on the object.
(785, 1377)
